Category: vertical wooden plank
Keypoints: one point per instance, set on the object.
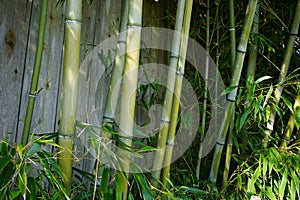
(43, 120)
(14, 24)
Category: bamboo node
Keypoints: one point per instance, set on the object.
(232, 29)
(66, 136)
(33, 94)
(73, 21)
(179, 72)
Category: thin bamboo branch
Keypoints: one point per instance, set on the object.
(36, 73)
(130, 80)
(232, 95)
(283, 72)
(205, 90)
(69, 88)
(166, 114)
(177, 91)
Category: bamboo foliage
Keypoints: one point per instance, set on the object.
(166, 114)
(129, 87)
(69, 88)
(177, 91)
(205, 92)
(232, 94)
(36, 73)
(283, 71)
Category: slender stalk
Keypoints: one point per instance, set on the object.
(231, 126)
(253, 46)
(36, 73)
(166, 114)
(283, 72)
(291, 124)
(115, 83)
(129, 86)
(232, 95)
(69, 88)
(177, 91)
(205, 91)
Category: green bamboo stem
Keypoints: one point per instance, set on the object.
(166, 114)
(231, 126)
(69, 88)
(291, 124)
(205, 92)
(283, 72)
(232, 95)
(228, 153)
(36, 73)
(117, 72)
(130, 80)
(177, 91)
(253, 46)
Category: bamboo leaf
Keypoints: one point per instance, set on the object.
(297, 116)
(35, 147)
(262, 79)
(252, 181)
(292, 190)
(283, 185)
(6, 174)
(270, 193)
(104, 181)
(32, 188)
(258, 104)
(4, 160)
(20, 150)
(118, 186)
(288, 103)
(14, 194)
(193, 190)
(229, 89)
(22, 180)
(244, 118)
(268, 95)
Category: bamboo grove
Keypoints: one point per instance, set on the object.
(254, 45)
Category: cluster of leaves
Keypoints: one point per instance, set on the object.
(28, 170)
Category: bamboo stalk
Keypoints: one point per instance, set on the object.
(253, 46)
(231, 126)
(115, 83)
(177, 91)
(36, 73)
(250, 72)
(129, 86)
(69, 88)
(205, 91)
(283, 72)
(291, 124)
(166, 114)
(232, 95)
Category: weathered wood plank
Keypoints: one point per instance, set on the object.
(14, 25)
